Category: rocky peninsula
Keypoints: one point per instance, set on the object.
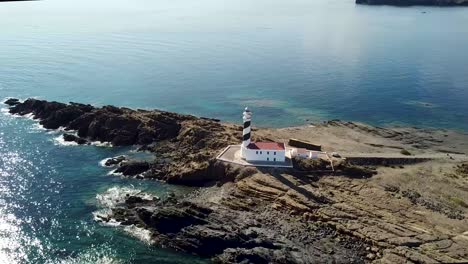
(414, 2)
(382, 213)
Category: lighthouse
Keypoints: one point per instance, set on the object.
(246, 132)
(269, 152)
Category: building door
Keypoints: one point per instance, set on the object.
(274, 159)
(268, 159)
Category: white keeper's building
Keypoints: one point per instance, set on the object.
(259, 151)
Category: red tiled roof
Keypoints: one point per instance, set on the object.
(266, 145)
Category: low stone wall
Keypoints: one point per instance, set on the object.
(304, 144)
(385, 160)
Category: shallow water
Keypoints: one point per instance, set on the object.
(292, 62)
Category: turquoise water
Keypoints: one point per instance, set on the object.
(291, 61)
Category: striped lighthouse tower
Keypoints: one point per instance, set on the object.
(247, 118)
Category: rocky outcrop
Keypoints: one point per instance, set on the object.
(414, 2)
(72, 138)
(119, 126)
(272, 215)
(133, 168)
(114, 161)
(11, 101)
(235, 236)
(186, 145)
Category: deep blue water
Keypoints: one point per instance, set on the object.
(291, 61)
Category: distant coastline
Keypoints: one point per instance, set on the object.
(414, 2)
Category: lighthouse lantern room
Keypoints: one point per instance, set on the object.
(259, 151)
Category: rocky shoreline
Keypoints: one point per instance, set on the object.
(186, 145)
(414, 2)
(380, 214)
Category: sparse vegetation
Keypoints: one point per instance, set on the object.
(458, 202)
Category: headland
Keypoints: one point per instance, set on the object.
(374, 206)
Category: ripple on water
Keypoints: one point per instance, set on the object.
(97, 255)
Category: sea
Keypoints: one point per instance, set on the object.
(291, 62)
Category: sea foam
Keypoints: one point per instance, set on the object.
(60, 141)
(114, 197)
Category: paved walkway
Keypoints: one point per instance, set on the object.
(232, 154)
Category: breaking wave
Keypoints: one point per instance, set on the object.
(114, 197)
(60, 141)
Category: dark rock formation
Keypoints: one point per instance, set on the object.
(120, 126)
(114, 161)
(11, 102)
(230, 236)
(414, 2)
(73, 138)
(132, 168)
(186, 145)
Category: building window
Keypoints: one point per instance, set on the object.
(268, 152)
(256, 152)
(274, 159)
(268, 159)
(274, 153)
(260, 153)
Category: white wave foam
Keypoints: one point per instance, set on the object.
(115, 196)
(64, 129)
(101, 144)
(38, 126)
(102, 163)
(60, 141)
(139, 233)
(30, 116)
(114, 173)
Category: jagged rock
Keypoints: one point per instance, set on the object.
(73, 138)
(120, 126)
(189, 143)
(115, 161)
(12, 102)
(132, 168)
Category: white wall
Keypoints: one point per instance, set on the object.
(251, 154)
